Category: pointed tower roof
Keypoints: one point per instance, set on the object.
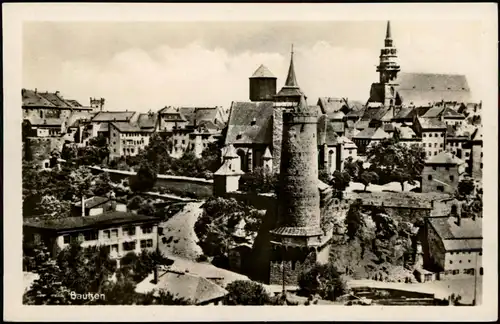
(267, 154)
(230, 152)
(263, 72)
(388, 30)
(291, 87)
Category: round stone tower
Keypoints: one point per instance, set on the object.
(262, 85)
(297, 240)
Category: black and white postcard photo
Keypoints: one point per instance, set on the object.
(272, 155)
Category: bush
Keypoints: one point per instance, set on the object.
(259, 180)
(135, 203)
(324, 280)
(245, 292)
(145, 178)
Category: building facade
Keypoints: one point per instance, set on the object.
(442, 173)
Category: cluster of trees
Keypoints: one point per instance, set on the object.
(390, 161)
(51, 192)
(155, 159)
(90, 270)
(217, 224)
(259, 180)
(96, 152)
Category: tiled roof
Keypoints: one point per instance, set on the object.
(337, 115)
(130, 127)
(444, 158)
(331, 105)
(404, 113)
(33, 99)
(404, 199)
(450, 113)
(46, 121)
(147, 120)
(431, 123)
(466, 236)
(263, 72)
(242, 130)
(372, 133)
(189, 287)
(424, 88)
(98, 221)
(195, 115)
(297, 231)
(93, 202)
(433, 112)
(75, 103)
(326, 131)
(55, 99)
(119, 116)
(406, 132)
(362, 124)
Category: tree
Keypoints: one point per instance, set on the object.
(245, 292)
(340, 180)
(135, 203)
(466, 187)
(324, 280)
(145, 178)
(324, 175)
(85, 270)
(102, 185)
(139, 266)
(48, 289)
(394, 161)
(162, 298)
(259, 180)
(354, 219)
(353, 168)
(368, 177)
(211, 156)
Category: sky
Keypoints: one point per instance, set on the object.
(145, 66)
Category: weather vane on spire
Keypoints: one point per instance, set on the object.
(292, 48)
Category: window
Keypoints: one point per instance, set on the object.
(440, 188)
(424, 135)
(480, 253)
(129, 246)
(107, 234)
(441, 145)
(90, 235)
(467, 154)
(455, 272)
(114, 233)
(452, 178)
(146, 244)
(183, 142)
(429, 177)
(451, 262)
(435, 152)
(481, 154)
(447, 168)
(160, 230)
(481, 165)
(147, 229)
(469, 261)
(442, 134)
(129, 230)
(435, 144)
(66, 239)
(459, 261)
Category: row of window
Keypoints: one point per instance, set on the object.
(435, 134)
(93, 235)
(429, 153)
(130, 246)
(464, 271)
(429, 177)
(464, 252)
(435, 144)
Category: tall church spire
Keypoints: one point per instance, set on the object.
(291, 87)
(291, 80)
(388, 30)
(388, 67)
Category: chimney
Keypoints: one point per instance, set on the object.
(83, 206)
(36, 90)
(57, 92)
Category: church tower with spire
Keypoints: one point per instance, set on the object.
(287, 98)
(388, 70)
(297, 240)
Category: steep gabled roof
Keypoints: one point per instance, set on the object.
(421, 89)
(263, 72)
(33, 99)
(55, 99)
(119, 116)
(372, 133)
(431, 123)
(467, 236)
(250, 123)
(147, 120)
